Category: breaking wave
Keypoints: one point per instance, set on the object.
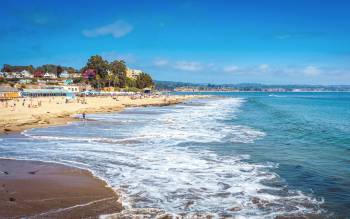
(161, 158)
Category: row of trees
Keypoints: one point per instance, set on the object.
(56, 69)
(101, 73)
(97, 72)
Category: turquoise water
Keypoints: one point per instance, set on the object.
(308, 135)
(252, 155)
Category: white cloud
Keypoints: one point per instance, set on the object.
(160, 62)
(183, 65)
(231, 69)
(264, 67)
(117, 29)
(312, 70)
(188, 66)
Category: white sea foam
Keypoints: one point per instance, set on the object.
(168, 164)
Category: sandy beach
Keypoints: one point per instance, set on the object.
(25, 113)
(35, 189)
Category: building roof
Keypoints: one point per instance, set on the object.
(8, 89)
(45, 91)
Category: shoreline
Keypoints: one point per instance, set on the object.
(25, 182)
(22, 118)
(32, 188)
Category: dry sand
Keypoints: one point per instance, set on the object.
(34, 189)
(25, 113)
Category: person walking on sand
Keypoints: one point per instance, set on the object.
(84, 116)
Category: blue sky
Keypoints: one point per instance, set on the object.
(233, 41)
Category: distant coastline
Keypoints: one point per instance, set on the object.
(200, 87)
(226, 91)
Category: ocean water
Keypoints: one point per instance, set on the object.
(244, 155)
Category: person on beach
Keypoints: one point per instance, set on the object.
(84, 116)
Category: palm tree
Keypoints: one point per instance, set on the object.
(109, 78)
(115, 80)
(98, 79)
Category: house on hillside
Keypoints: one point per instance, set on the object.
(64, 74)
(89, 74)
(68, 81)
(26, 74)
(50, 75)
(38, 74)
(75, 75)
(8, 75)
(17, 75)
(25, 81)
(132, 73)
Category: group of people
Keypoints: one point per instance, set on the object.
(29, 102)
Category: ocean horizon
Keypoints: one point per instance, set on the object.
(253, 155)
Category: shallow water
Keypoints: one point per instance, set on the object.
(243, 154)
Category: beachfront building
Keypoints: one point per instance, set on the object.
(108, 89)
(132, 73)
(7, 93)
(72, 88)
(47, 93)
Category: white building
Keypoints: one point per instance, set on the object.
(72, 88)
(75, 75)
(50, 75)
(17, 75)
(26, 74)
(8, 75)
(132, 73)
(64, 74)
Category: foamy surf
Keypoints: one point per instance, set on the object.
(168, 165)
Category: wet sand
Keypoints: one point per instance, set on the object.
(34, 189)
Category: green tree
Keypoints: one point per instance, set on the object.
(99, 65)
(144, 80)
(115, 80)
(31, 69)
(59, 70)
(130, 82)
(98, 80)
(118, 68)
(50, 68)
